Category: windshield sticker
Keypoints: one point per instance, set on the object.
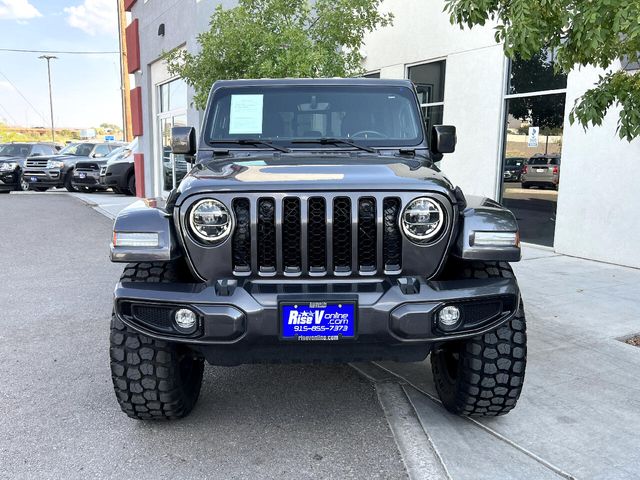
(246, 114)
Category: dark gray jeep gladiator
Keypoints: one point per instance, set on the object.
(316, 227)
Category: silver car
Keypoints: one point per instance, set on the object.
(541, 171)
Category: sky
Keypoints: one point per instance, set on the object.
(86, 88)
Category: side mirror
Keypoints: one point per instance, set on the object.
(183, 140)
(443, 140)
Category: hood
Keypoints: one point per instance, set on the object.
(72, 159)
(7, 159)
(318, 172)
(85, 161)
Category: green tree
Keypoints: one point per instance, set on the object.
(594, 32)
(279, 38)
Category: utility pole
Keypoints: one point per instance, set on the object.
(48, 58)
(124, 74)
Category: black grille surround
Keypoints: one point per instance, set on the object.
(331, 234)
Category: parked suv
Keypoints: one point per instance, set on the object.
(57, 171)
(119, 171)
(12, 160)
(316, 227)
(541, 171)
(86, 175)
(513, 168)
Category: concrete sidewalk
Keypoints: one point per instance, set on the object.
(578, 416)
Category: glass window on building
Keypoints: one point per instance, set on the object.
(173, 102)
(429, 79)
(535, 106)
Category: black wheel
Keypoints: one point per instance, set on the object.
(483, 375)
(153, 379)
(67, 182)
(131, 185)
(116, 190)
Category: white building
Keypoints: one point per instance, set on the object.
(465, 80)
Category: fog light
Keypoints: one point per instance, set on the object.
(448, 317)
(185, 319)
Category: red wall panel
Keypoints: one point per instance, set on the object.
(133, 46)
(136, 111)
(128, 4)
(138, 165)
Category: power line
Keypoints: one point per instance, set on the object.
(19, 50)
(21, 94)
(8, 114)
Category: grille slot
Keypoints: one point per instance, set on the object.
(317, 235)
(242, 236)
(342, 234)
(291, 232)
(367, 237)
(392, 239)
(267, 235)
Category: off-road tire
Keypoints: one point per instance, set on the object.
(153, 379)
(483, 375)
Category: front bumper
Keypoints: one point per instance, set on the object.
(239, 322)
(115, 175)
(44, 176)
(9, 180)
(86, 178)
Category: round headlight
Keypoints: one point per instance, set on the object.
(210, 221)
(422, 219)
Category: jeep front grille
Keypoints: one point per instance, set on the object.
(316, 236)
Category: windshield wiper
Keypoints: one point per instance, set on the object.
(336, 141)
(253, 141)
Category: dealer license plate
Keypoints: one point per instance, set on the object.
(319, 321)
(541, 170)
(33, 179)
(82, 175)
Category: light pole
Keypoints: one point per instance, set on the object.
(48, 58)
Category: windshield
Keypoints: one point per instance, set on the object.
(15, 150)
(514, 162)
(116, 152)
(78, 149)
(544, 161)
(369, 115)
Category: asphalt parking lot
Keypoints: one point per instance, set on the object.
(59, 414)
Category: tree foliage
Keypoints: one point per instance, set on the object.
(279, 38)
(537, 73)
(581, 32)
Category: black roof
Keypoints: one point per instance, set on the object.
(314, 81)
